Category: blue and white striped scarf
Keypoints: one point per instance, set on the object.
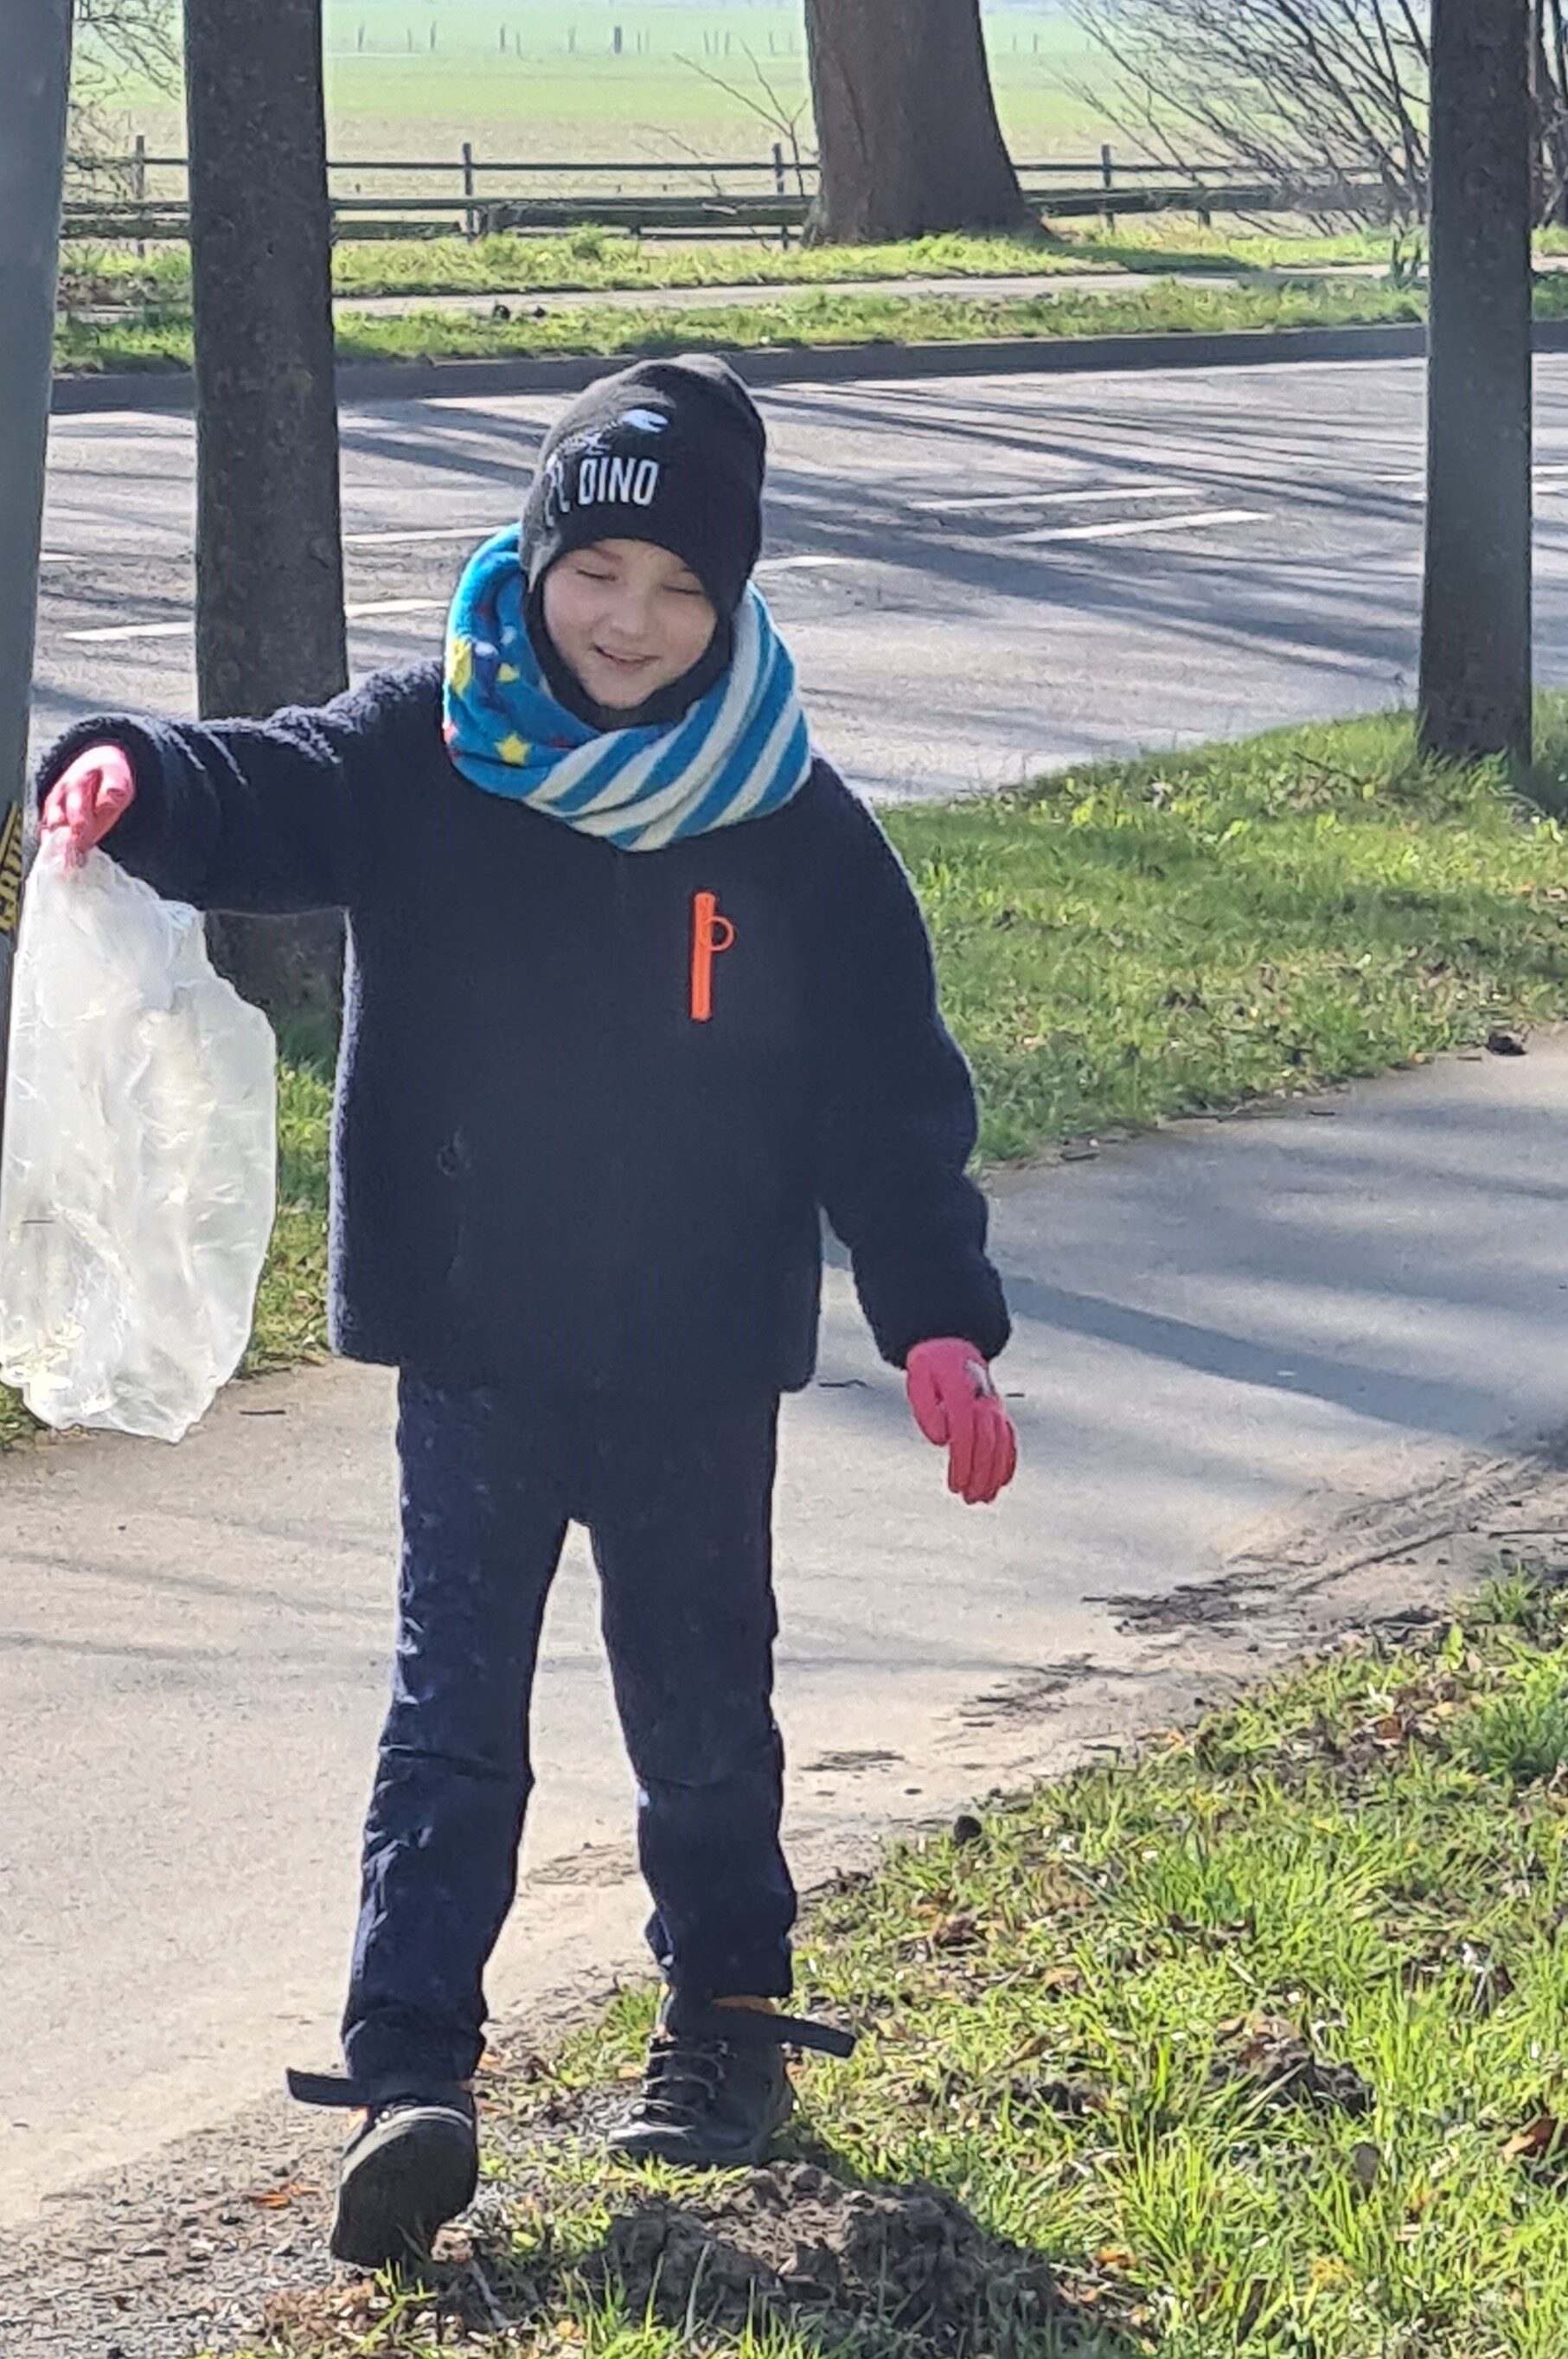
(741, 752)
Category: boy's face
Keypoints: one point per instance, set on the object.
(629, 618)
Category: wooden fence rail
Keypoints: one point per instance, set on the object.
(723, 205)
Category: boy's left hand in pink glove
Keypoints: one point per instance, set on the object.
(957, 1406)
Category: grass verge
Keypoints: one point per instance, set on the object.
(1256, 2044)
(163, 341)
(1133, 941)
(590, 259)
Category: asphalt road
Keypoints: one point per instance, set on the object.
(980, 576)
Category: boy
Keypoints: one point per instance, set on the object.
(637, 990)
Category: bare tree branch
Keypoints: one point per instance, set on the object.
(121, 37)
(1300, 91)
(116, 40)
(771, 108)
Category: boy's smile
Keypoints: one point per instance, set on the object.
(629, 618)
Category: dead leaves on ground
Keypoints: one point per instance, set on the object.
(1277, 2066)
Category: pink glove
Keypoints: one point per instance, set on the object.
(957, 1406)
(87, 799)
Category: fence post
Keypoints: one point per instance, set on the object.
(139, 182)
(781, 189)
(470, 218)
(1108, 175)
(35, 68)
(619, 41)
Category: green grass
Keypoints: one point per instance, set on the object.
(290, 1323)
(805, 320)
(1259, 2040)
(1123, 944)
(1135, 940)
(591, 259)
(16, 1425)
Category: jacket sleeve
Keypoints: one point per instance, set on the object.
(896, 1118)
(266, 818)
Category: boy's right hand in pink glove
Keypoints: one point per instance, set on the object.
(87, 799)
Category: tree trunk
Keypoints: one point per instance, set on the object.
(907, 122)
(35, 72)
(269, 567)
(1476, 669)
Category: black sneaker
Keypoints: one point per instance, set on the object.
(411, 2166)
(715, 2090)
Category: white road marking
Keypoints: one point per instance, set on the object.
(104, 633)
(1127, 526)
(793, 564)
(1084, 494)
(1123, 528)
(399, 606)
(471, 533)
(1542, 475)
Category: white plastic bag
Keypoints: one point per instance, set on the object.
(140, 1156)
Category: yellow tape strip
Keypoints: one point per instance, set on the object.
(11, 869)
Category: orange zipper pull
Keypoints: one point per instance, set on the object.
(710, 936)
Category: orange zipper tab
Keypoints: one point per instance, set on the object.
(710, 936)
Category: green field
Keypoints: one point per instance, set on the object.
(558, 90)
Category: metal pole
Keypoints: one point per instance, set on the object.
(1476, 674)
(34, 78)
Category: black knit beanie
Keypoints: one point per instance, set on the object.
(668, 451)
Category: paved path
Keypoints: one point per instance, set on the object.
(1002, 286)
(999, 288)
(980, 577)
(1334, 1303)
(1006, 286)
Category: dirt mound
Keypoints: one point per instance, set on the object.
(870, 2267)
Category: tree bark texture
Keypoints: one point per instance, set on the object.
(269, 572)
(907, 122)
(1476, 669)
(35, 74)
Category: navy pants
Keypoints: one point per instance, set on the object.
(677, 1501)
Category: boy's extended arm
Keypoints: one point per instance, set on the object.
(266, 817)
(896, 1111)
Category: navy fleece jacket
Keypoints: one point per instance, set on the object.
(554, 1149)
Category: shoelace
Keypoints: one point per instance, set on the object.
(680, 2080)
(685, 2070)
